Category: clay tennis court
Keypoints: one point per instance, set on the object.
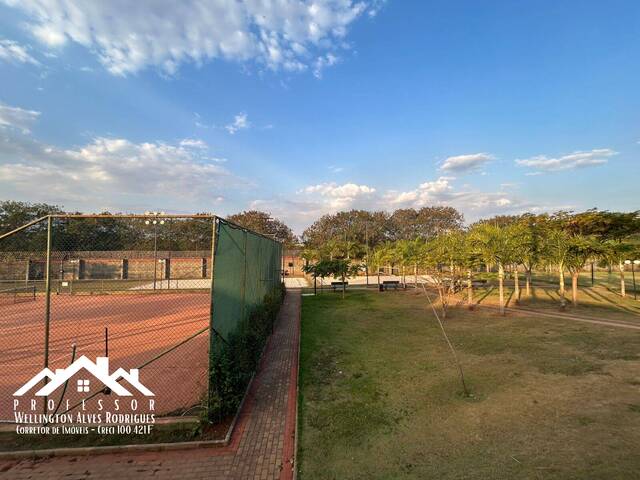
(140, 326)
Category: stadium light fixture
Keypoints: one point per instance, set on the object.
(155, 222)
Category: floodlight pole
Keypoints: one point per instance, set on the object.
(155, 253)
(47, 305)
(155, 222)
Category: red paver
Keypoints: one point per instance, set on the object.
(261, 448)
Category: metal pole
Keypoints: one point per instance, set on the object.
(155, 253)
(212, 337)
(19, 229)
(633, 275)
(366, 240)
(244, 277)
(47, 305)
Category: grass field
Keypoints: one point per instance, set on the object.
(381, 399)
(594, 302)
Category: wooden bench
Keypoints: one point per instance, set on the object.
(335, 285)
(390, 283)
(478, 283)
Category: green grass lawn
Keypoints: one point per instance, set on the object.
(597, 302)
(380, 397)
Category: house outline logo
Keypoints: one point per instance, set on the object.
(99, 369)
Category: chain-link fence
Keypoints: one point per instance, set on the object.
(135, 289)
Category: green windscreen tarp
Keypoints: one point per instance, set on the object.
(247, 266)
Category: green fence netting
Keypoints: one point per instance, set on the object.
(246, 296)
(247, 267)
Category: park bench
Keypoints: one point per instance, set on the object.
(336, 285)
(390, 283)
(478, 283)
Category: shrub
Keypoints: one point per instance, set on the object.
(234, 362)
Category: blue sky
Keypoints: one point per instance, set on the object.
(305, 108)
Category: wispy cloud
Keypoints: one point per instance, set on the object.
(17, 118)
(323, 62)
(466, 163)
(13, 52)
(140, 173)
(240, 122)
(335, 169)
(193, 143)
(578, 159)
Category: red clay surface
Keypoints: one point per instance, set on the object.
(140, 326)
(261, 447)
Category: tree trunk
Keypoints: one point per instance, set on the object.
(469, 290)
(404, 277)
(443, 301)
(516, 284)
(561, 275)
(501, 287)
(622, 286)
(574, 288)
(415, 273)
(344, 287)
(527, 282)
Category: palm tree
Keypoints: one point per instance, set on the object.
(557, 250)
(495, 245)
(581, 249)
(530, 248)
(443, 250)
(615, 252)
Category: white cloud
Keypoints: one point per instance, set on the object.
(427, 193)
(17, 118)
(335, 169)
(310, 203)
(472, 202)
(322, 62)
(466, 163)
(571, 161)
(286, 35)
(240, 122)
(108, 171)
(375, 7)
(13, 52)
(193, 143)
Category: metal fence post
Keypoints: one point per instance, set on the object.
(47, 305)
(244, 278)
(212, 337)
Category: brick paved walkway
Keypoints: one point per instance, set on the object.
(261, 448)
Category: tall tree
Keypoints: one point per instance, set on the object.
(495, 245)
(425, 223)
(581, 249)
(264, 223)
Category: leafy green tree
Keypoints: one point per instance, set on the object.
(425, 223)
(531, 244)
(581, 249)
(439, 256)
(494, 245)
(264, 223)
(336, 268)
(557, 250)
